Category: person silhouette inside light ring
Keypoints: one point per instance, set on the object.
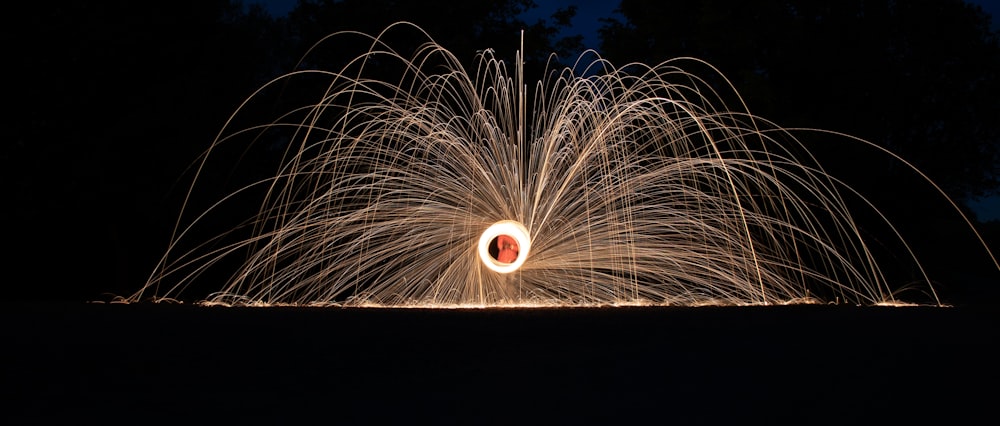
(507, 249)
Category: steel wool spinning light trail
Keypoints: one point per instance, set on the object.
(439, 187)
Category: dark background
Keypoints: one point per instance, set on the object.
(110, 102)
(797, 365)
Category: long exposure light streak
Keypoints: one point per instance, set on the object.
(630, 185)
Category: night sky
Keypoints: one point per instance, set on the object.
(112, 110)
(68, 362)
(587, 22)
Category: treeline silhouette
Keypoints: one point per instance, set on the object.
(109, 103)
(917, 78)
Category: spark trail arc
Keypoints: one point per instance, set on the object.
(410, 181)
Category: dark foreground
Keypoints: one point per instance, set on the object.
(136, 364)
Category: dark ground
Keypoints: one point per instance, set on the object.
(135, 364)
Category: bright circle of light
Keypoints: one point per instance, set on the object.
(504, 227)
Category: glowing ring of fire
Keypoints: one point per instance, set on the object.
(504, 230)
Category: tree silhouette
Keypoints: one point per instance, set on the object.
(918, 78)
(464, 28)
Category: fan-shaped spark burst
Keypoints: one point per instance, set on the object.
(624, 188)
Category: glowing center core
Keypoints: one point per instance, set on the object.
(504, 246)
